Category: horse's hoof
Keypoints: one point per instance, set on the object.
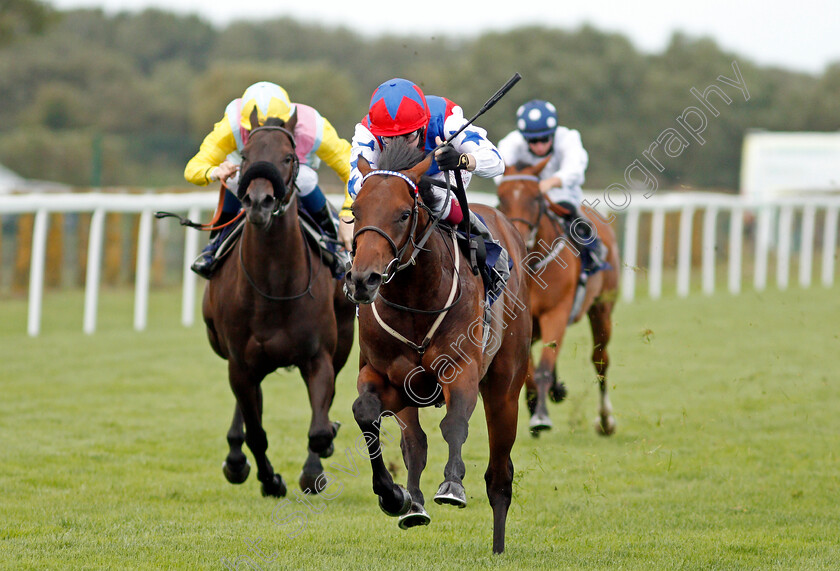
(451, 493)
(405, 505)
(557, 392)
(276, 488)
(329, 451)
(307, 482)
(415, 517)
(539, 423)
(605, 427)
(236, 476)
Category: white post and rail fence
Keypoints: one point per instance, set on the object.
(687, 232)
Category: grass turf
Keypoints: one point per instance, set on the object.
(725, 456)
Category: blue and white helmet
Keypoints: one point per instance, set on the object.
(536, 119)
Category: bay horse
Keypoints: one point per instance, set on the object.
(553, 267)
(275, 304)
(411, 281)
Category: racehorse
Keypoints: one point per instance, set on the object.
(275, 304)
(554, 267)
(423, 338)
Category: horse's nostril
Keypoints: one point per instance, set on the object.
(267, 201)
(374, 279)
(246, 200)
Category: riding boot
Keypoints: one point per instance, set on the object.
(496, 277)
(207, 262)
(340, 256)
(585, 236)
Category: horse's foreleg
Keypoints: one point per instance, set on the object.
(414, 450)
(368, 412)
(319, 376)
(249, 400)
(501, 409)
(461, 398)
(236, 466)
(601, 323)
(553, 329)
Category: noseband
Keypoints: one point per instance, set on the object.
(270, 172)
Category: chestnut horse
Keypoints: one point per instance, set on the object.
(423, 339)
(275, 304)
(554, 267)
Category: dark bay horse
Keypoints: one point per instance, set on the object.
(553, 269)
(423, 339)
(275, 304)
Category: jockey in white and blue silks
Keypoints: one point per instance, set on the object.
(537, 136)
(399, 108)
(219, 157)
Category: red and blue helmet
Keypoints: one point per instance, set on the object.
(536, 119)
(397, 107)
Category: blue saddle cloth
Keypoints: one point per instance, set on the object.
(494, 251)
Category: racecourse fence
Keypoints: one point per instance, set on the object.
(52, 240)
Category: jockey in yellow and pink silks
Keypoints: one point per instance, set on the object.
(219, 157)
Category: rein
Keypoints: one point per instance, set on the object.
(394, 266)
(421, 348)
(308, 289)
(269, 171)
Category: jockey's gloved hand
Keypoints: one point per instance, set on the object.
(448, 159)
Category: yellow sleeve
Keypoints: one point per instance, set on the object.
(335, 152)
(214, 149)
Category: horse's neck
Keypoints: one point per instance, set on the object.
(426, 283)
(281, 246)
(549, 230)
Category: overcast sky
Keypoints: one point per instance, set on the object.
(800, 34)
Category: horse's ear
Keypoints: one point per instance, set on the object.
(510, 169)
(291, 123)
(537, 168)
(254, 118)
(363, 165)
(420, 168)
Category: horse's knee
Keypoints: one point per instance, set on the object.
(367, 408)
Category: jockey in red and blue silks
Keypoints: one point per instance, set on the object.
(398, 108)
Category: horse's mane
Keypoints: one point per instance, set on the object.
(274, 122)
(400, 156)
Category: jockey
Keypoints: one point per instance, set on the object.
(538, 136)
(219, 157)
(399, 109)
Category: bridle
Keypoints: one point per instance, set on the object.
(533, 227)
(394, 266)
(269, 171)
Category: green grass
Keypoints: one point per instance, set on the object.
(725, 455)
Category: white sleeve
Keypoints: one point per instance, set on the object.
(513, 148)
(364, 144)
(473, 140)
(575, 158)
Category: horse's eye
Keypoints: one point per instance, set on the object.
(405, 215)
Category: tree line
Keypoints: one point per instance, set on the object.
(125, 99)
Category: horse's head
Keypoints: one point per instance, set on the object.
(268, 170)
(386, 213)
(520, 198)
